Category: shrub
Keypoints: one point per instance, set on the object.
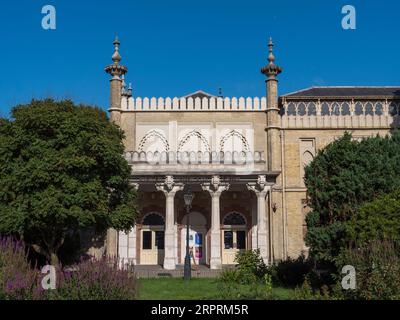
(96, 279)
(377, 266)
(17, 280)
(292, 272)
(93, 279)
(251, 267)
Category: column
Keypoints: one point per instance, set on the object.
(215, 188)
(169, 188)
(260, 188)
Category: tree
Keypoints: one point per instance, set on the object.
(343, 176)
(376, 220)
(62, 170)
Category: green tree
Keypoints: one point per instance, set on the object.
(343, 176)
(376, 220)
(62, 170)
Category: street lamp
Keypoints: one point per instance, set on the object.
(188, 198)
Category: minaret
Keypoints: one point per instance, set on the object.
(117, 71)
(271, 71)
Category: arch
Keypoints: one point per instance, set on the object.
(157, 134)
(196, 219)
(198, 135)
(153, 219)
(234, 219)
(234, 133)
(308, 157)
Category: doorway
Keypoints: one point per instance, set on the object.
(152, 236)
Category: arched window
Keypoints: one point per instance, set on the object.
(234, 219)
(153, 219)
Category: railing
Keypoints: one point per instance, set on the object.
(171, 157)
(197, 104)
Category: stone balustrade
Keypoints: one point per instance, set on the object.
(171, 157)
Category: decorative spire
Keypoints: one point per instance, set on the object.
(116, 57)
(220, 95)
(271, 57)
(130, 90)
(271, 70)
(115, 69)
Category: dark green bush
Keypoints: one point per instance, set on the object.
(377, 266)
(292, 272)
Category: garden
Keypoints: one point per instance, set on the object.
(62, 172)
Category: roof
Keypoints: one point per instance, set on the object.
(199, 94)
(318, 92)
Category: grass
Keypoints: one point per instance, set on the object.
(195, 289)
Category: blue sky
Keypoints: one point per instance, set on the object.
(175, 47)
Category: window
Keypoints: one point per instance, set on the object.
(147, 240)
(160, 240)
(153, 219)
(228, 239)
(234, 219)
(241, 239)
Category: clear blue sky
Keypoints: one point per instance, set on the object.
(175, 47)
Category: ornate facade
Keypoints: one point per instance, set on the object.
(243, 158)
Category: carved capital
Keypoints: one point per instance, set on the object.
(216, 186)
(260, 188)
(169, 187)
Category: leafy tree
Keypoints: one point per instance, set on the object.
(376, 220)
(339, 180)
(62, 170)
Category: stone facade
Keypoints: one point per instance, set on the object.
(243, 158)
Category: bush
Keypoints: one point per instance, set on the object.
(93, 279)
(377, 266)
(251, 267)
(96, 279)
(17, 280)
(292, 272)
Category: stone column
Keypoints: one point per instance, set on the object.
(169, 188)
(261, 189)
(215, 188)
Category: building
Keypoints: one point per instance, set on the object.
(243, 158)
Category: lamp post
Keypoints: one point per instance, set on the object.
(188, 198)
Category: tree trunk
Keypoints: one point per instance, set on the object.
(54, 259)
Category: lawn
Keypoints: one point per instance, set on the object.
(195, 289)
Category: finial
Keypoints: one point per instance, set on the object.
(271, 70)
(116, 57)
(271, 57)
(220, 93)
(129, 92)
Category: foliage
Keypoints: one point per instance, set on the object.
(378, 219)
(17, 280)
(95, 279)
(292, 272)
(88, 280)
(339, 180)
(307, 292)
(377, 266)
(251, 267)
(62, 170)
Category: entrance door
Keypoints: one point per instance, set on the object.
(234, 242)
(196, 244)
(197, 233)
(152, 252)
